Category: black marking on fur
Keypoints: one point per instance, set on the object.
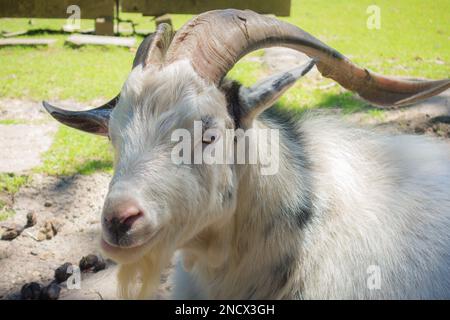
(282, 81)
(282, 272)
(207, 122)
(234, 106)
(269, 228)
(227, 195)
(287, 123)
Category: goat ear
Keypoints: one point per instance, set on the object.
(264, 93)
(92, 121)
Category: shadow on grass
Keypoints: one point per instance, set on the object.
(350, 103)
(92, 166)
(86, 168)
(346, 102)
(65, 182)
(45, 31)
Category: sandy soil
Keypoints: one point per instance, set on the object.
(75, 204)
(23, 143)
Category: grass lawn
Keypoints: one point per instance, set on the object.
(9, 185)
(414, 40)
(74, 152)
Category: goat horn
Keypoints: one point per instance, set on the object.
(151, 50)
(155, 52)
(214, 41)
(93, 121)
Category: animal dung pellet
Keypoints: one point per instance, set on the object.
(56, 225)
(11, 232)
(88, 263)
(31, 291)
(41, 236)
(50, 292)
(31, 219)
(49, 230)
(100, 265)
(61, 273)
(92, 263)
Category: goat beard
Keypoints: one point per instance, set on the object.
(141, 279)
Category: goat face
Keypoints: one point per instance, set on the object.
(151, 197)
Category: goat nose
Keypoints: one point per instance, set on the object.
(119, 221)
(129, 215)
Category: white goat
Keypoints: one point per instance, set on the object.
(351, 213)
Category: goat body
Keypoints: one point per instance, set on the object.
(349, 206)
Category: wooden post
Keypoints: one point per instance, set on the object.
(104, 26)
(101, 10)
(163, 19)
(160, 7)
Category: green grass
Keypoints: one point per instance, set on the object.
(74, 152)
(6, 214)
(5, 211)
(61, 71)
(11, 121)
(11, 183)
(413, 34)
(413, 41)
(2, 204)
(81, 74)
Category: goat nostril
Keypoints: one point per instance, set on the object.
(128, 220)
(129, 216)
(119, 221)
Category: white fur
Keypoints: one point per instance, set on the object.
(375, 199)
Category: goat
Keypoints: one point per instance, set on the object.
(345, 202)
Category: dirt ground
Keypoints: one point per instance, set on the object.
(74, 204)
(23, 141)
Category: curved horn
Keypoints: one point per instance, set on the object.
(216, 40)
(156, 50)
(92, 121)
(151, 50)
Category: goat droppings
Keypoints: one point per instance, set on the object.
(92, 263)
(31, 291)
(61, 273)
(50, 292)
